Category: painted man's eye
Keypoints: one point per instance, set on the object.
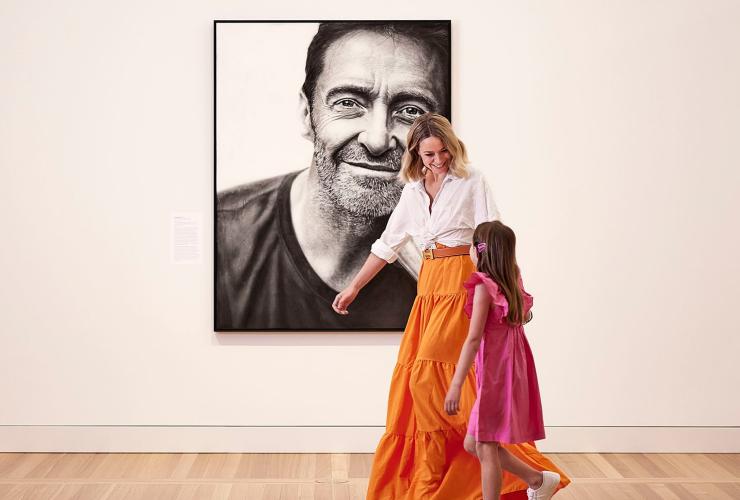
(346, 103)
(411, 112)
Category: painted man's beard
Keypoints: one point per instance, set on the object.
(359, 196)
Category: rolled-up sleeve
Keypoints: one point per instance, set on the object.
(396, 232)
(485, 205)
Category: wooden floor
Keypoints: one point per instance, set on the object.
(333, 477)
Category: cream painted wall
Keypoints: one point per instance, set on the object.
(608, 129)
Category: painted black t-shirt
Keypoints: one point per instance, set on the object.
(264, 281)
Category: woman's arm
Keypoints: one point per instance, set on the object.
(484, 203)
(383, 252)
(370, 268)
(481, 304)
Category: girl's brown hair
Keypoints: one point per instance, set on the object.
(432, 125)
(498, 261)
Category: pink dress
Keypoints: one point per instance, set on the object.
(508, 408)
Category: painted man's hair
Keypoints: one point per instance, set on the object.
(434, 36)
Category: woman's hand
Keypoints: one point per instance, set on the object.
(370, 268)
(452, 401)
(344, 299)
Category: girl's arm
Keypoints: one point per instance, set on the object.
(370, 268)
(481, 304)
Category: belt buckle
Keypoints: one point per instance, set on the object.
(428, 254)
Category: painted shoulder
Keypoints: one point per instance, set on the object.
(240, 197)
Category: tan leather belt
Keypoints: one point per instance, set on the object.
(438, 253)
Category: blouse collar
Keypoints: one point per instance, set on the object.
(449, 177)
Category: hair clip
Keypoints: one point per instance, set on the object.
(481, 247)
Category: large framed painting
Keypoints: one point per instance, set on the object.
(309, 129)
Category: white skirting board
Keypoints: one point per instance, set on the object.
(348, 439)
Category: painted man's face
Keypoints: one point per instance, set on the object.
(369, 93)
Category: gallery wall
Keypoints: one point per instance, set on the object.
(607, 129)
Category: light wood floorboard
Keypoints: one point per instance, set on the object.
(216, 476)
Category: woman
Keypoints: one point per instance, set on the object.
(421, 454)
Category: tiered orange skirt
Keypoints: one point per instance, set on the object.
(421, 454)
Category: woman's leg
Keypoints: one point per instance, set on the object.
(490, 468)
(509, 462)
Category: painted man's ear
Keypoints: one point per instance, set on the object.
(304, 114)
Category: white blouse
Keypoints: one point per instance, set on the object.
(460, 205)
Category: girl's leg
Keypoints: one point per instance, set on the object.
(509, 462)
(469, 445)
(490, 468)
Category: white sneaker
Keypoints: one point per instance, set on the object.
(550, 481)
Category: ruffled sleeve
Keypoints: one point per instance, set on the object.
(500, 306)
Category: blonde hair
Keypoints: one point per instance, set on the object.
(432, 125)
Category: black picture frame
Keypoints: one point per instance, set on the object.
(224, 246)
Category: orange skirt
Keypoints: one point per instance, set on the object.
(421, 454)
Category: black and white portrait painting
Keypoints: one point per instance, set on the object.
(311, 120)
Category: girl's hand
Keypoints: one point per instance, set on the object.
(344, 299)
(452, 401)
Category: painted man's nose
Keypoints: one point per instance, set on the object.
(377, 137)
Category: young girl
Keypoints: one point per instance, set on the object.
(507, 409)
